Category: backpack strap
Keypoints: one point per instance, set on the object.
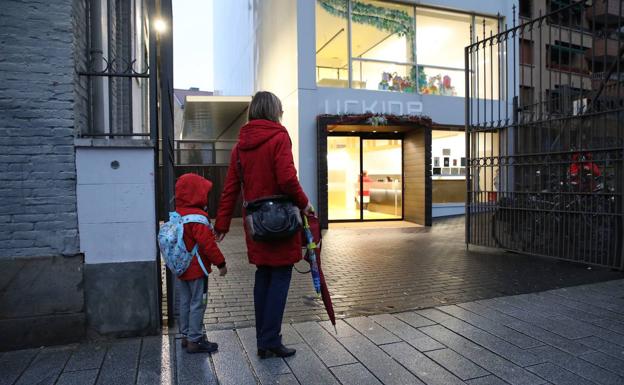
(201, 263)
(197, 218)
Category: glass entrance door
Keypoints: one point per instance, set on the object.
(343, 169)
(382, 179)
(364, 178)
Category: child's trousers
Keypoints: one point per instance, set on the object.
(192, 308)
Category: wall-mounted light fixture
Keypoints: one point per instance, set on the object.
(160, 25)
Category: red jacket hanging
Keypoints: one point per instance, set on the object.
(366, 183)
(191, 195)
(267, 162)
(583, 172)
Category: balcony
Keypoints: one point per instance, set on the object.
(603, 48)
(605, 11)
(614, 86)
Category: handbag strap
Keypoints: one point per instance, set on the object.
(240, 175)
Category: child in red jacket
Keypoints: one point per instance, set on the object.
(191, 196)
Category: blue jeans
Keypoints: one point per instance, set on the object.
(192, 307)
(270, 294)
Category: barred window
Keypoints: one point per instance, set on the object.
(116, 67)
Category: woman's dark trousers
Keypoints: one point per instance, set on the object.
(270, 294)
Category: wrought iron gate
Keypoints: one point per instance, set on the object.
(545, 134)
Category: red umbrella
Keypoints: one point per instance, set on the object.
(315, 229)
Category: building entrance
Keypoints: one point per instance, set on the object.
(365, 178)
(374, 168)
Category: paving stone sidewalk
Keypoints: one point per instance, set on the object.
(567, 336)
(385, 270)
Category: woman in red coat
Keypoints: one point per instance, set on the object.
(267, 165)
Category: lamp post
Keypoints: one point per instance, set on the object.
(165, 76)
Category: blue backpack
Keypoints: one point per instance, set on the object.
(171, 242)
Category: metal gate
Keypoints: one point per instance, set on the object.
(544, 133)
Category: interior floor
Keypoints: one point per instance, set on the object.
(354, 214)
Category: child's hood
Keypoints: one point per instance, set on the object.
(191, 190)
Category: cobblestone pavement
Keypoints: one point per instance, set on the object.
(380, 270)
(569, 336)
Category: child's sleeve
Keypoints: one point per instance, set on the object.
(208, 248)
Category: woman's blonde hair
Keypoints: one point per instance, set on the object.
(265, 105)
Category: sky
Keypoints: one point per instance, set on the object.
(192, 44)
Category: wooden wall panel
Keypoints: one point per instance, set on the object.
(417, 178)
(449, 191)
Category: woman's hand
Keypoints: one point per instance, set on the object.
(309, 209)
(219, 236)
(223, 271)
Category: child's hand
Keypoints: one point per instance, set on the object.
(223, 271)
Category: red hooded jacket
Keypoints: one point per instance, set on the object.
(266, 158)
(191, 195)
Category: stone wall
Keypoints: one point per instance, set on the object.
(37, 127)
(81, 83)
(42, 104)
(45, 293)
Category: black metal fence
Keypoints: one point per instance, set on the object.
(544, 134)
(203, 152)
(208, 158)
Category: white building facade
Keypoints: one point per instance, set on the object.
(353, 57)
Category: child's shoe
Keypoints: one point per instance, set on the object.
(201, 347)
(184, 341)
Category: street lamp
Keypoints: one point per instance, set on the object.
(160, 25)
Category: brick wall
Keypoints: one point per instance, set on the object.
(41, 102)
(81, 83)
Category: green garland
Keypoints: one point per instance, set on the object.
(386, 19)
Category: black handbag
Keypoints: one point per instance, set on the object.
(269, 218)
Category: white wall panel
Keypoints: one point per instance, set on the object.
(116, 208)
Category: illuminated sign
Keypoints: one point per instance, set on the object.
(355, 106)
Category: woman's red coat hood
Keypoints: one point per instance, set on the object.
(257, 132)
(191, 191)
